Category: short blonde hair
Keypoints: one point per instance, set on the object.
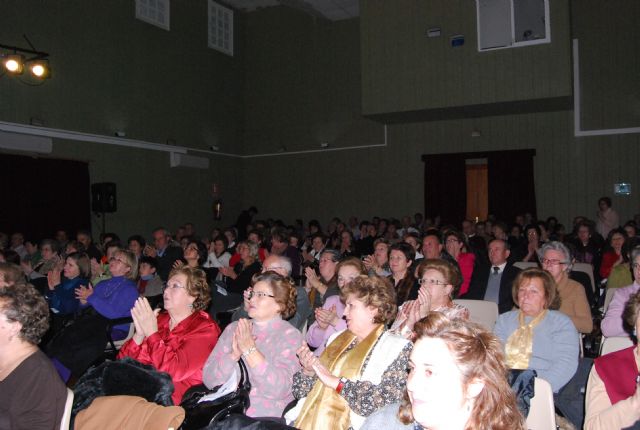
(196, 286)
(374, 291)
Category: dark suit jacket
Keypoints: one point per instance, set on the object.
(480, 279)
(165, 263)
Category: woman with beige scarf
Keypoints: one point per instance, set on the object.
(362, 369)
(536, 337)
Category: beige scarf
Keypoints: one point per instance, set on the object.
(520, 344)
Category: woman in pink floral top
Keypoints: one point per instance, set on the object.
(266, 343)
(329, 317)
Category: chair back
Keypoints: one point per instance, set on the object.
(588, 269)
(525, 264)
(607, 298)
(482, 312)
(542, 413)
(66, 416)
(614, 343)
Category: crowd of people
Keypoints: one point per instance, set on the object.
(328, 320)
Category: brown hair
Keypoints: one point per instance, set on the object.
(353, 262)
(449, 272)
(630, 313)
(552, 299)
(196, 286)
(374, 291)
(82, 261)
(478, 354)
(22, 303)
(284, 291)
(11, 273)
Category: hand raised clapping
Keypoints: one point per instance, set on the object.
(83, 293)
(145, 319)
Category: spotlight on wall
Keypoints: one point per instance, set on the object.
(15, 59)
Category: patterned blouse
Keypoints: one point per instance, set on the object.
(270, 392)
(364, 397)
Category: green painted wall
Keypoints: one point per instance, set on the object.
(404, 70)
(114, 72)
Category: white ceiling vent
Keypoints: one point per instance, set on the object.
(184, 160)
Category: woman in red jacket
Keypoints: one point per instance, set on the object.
(179, 340)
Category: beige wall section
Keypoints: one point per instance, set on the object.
(404, 70)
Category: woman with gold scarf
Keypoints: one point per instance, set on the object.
(536, 337)
(362, 369)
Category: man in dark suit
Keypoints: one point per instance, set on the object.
(493, 282)
(163, 252)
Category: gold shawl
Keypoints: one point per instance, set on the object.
(324, 408)
(520, 344)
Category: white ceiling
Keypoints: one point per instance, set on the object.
(335, 10)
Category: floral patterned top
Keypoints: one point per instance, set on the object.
(364, 397)
(270, 392)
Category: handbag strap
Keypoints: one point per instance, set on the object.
(244, 376)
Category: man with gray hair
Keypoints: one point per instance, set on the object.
(282, 266)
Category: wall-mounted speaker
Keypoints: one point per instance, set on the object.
(103, 197)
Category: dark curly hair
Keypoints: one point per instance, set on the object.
(196, 286)
(284, 291)
(22, 303)
(374, 291)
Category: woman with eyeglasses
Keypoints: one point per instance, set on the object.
(178, 340)
(556, 260)
(329, 316)
(439, 280)
(456, 246)
(266, 342)
(81, 343)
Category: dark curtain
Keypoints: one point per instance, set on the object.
(40, 196)
(511, 183)
(445, 187)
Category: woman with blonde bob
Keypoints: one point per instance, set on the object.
(362, 369)
(457, 381)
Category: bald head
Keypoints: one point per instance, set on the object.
(275, 263)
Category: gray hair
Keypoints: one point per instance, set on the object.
(284, 262)
(560, 247)
(253, 247)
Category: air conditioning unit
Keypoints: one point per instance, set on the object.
(25, 142)
(184, 160)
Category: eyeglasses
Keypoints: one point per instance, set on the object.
(173, 286)
(118, 260)
(429, 281)
(258, 294)
(346, 279)
(552, 262)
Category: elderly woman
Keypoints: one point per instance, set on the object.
(456, 382)
(81, 343)
(613, 392)
(556, 259)
(32, 396)
(49, 253)
(362, 369)
(179, 340)
(329, 316)
(267, 344)
(61, 293)
(378, 263)
(401, 256)
(439, 280)
(535, 337)
(456, 246)
(612, 323)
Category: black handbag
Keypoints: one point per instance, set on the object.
(202, 415)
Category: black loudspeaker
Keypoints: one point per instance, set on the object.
(103, 197)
